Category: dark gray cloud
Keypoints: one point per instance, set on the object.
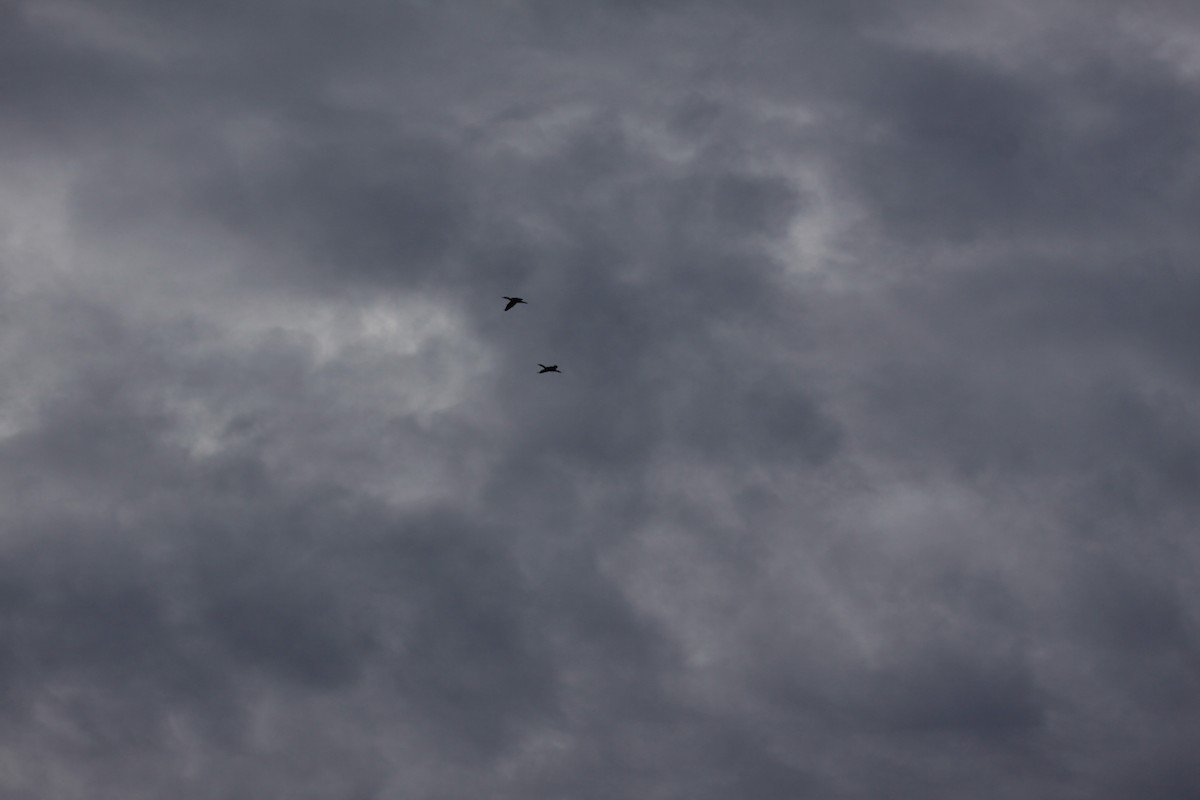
(871, 470)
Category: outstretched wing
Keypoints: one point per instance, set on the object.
(511, 303)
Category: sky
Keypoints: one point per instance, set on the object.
(872, 469)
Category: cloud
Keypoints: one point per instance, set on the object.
(870, 470)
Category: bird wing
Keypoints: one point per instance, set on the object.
(511, 303)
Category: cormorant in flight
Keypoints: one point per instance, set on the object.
(512, 301)
(551, 368)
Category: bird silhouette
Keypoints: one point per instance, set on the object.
(551, 368)
(512, 301)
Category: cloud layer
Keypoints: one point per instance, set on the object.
(872, 470)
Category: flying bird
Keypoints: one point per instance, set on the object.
(551, 368)
(512, 301)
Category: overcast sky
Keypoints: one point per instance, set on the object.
(873, 469)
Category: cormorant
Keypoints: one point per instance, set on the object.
(512, 301)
